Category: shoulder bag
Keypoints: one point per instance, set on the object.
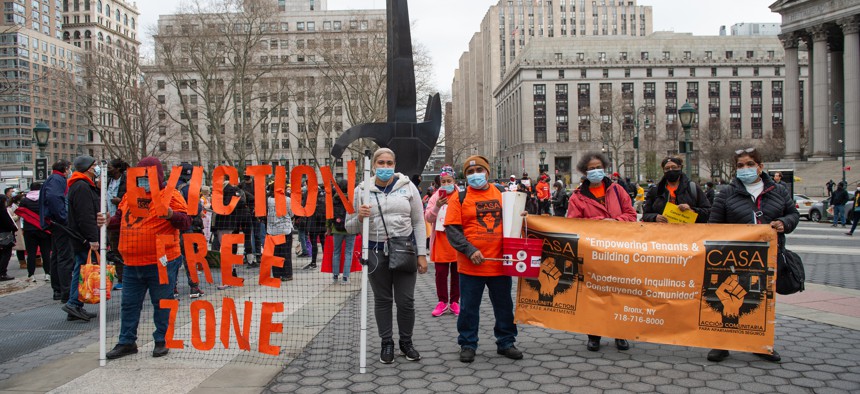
(790, 274)
(402, 253)
(7, 239)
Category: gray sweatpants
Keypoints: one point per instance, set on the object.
(388, 286)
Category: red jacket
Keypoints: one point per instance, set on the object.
(618, 206)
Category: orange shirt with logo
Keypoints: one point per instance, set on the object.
(137, 241)
(481, 218)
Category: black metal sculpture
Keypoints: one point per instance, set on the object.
(411, 141)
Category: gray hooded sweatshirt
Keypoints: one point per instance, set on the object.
(402, 208)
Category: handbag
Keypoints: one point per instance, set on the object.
(789, 273)
(88, 282)
(402, 253)
(7, 239)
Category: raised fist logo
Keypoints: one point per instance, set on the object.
(731, 294)
(548, 278)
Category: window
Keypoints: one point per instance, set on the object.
(561, 74)
(539, 74)
(644, 55)
(729, 54)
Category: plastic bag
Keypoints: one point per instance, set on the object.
(88, 283)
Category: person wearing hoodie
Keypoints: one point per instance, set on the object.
(543, 194)
(53, 217)
(7, 225)
(442, 254)
(140, 249)
(599, 198)
(394, 210)
(35, 237)
(677, 189)
(83, 226)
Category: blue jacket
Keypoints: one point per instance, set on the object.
(52, 201)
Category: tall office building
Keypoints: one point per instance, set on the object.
(505, 32)
(36, 66)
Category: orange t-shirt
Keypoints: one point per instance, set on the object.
(137, 240)
(671, 190)
(599, 192)
(481, 218)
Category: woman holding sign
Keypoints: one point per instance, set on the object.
(599, 198)
(677, 192)
(396, 219)
(754, 198)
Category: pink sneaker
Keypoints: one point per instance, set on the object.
(441, 307)
(455, 307)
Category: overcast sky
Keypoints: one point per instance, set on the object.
(446, 26)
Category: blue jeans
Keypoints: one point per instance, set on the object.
(80, 259)
(839, 214)
(347, 251)
(304, 242)
(471, 293)
(136, 281)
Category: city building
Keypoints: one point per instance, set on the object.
(505, 32)
(36, 65)
(106, 31)
(567, 96)
(752, 29)
(267, 86)
(829, 32)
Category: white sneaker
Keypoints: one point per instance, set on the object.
(31, 278)
(47, 278)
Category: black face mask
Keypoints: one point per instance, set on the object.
(673, 176)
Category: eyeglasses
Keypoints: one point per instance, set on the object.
(747, 150)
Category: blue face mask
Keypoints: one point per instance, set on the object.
(477, 181)
(747, 175)
(143, 183)
(448, 188)
(596, 175)
(384, 174)
(97, 171)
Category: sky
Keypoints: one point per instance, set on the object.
(445, 27)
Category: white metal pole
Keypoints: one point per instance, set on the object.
(365, 253)
(103, 269)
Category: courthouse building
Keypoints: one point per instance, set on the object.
(828, 31)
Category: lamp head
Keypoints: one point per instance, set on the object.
(686, 114)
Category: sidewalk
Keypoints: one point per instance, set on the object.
(817, 333)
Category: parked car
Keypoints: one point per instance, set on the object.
(820, 210)
(803, 203)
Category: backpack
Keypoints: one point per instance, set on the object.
(339, 219)
(789, 273)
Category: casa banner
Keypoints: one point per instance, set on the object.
(708, 286)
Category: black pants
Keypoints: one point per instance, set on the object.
(113, 255)
(62, 261)
(284, 250)
(543, 207)
(314, 250)
(41, 241)
(5, 256)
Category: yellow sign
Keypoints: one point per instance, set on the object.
(674, 214)
(708, 286)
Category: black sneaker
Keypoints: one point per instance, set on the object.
(310, 266)
(512, 353)
(121, 351)
(409, 351)
(57, 296)
(196, 292)
(286, 278)
(387, 354)
(4, 278)
(78, 312)
(160, 350)
(175, 293)
(717, 355)
(622, 344)
(775, 357)
(467, 354)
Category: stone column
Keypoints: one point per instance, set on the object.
(791, 98)
(834, 44)
(851, 62)
(820, 103)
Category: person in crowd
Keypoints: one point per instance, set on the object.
(7, 230)
(301, 225)
(13, 203)
(116, 190)
(513, 185)
(856, 208)
(344, 242)
(280, 225)
(182, 186)
(315, 228)
(206, 201)
(84, 223)
(36, 238)
(253, 228)
(753, 198)
(526, 186)
(53, 216)
(394, 210)
(416, 180)
(777, 179)
(427, 194)
(677, 189)
(543, 194)
(236, 222)
(710, 193)
(599, 198)
(559, 199)
(829, 186)
(639, 200)
(138, 246)
(474, 229)
(838, 200)
(444, 256)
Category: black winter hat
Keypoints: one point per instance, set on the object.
(83, 163)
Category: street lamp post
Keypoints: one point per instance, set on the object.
(543, 167)
(42, 132)
(639, 112)
(839, 119)
(686, 114)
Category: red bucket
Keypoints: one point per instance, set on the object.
(522, 257)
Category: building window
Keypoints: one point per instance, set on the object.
(561, 74)
(539, 74)
(729, 54)
(713, 71)
(605, 73)
(644, 55)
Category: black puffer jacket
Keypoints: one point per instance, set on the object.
(657, 197)
(735, 205)
(84, 201)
